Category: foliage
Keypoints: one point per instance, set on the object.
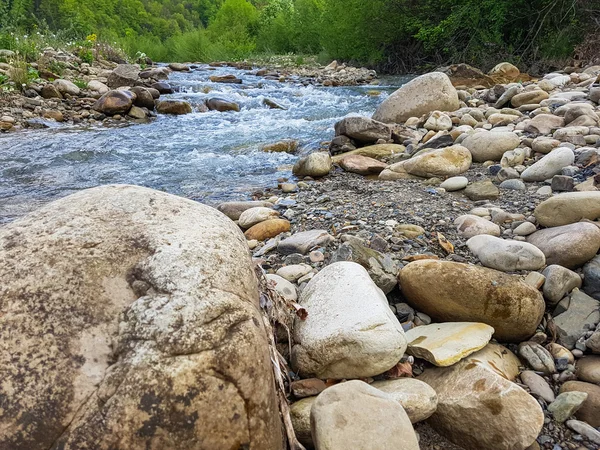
(80, 83)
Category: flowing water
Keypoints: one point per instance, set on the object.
(208, 157)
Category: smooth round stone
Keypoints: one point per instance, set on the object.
(525, 229)
(588, 369)
(550, 165)
(569, 245)
(504, 255)
(470, 225)
(455, 183)
(418, 399)
(513, 185)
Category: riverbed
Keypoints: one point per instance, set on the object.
(206, 156)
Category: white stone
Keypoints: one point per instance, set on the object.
(252, 216)
(283, 287)
(294, 272)
(505, 255)
(549, 165)
(455, 183)
(418, 399)
(470, 225)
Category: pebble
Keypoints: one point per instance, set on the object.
(566, 404)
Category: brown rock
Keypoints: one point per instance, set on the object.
(234, 210)
(308, 387)
(143, 341)
(283, 146)
(114, 102)
(456, 292)
(588, 369)
(267, 229)
(225, 79)
(143, 98)
(222, 105)
(175, 107)
(529, 98)
(54, 115)
(362, 165)
(50, 91)
(589, 410)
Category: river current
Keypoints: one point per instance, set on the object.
(209, 157)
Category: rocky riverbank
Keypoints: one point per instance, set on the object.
(431, 280)
(110, 94)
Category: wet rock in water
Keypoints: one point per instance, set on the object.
(304, 241)
(381, 268)
(267, 229)
(233, 210)
(549, 165)
(178, 67)
(582, 315)
(362, 339)
(252, 216)
(482, 190)
(591, 405)
(162, 87)
(480, 408)
(559, 282)
(300, 415)
(50, 91)
(424, 94)
(355, 415)
(136, 112)
(505, 255)
(317, 164)
(443, 162)
(537, 357)
(174, 107)
(114, 102)
(566, 404)
(363, 129)
(418, 399)
(124, 75)
(222, 105)
(362, 165)
(143, 97)
(444, 344)
(66, 87)
(567, 208)
(225, 79)
(156, 73)
(122, 361)
(490, 145)
(591, 280)
(456, 292)
(588, 369)
(455, 184)
(272, 104)
(570, 246)
(470, 225)
(283, 146)
(537, 385)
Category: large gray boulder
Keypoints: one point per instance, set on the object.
(124, 75)
(427, 93)
(125, 324)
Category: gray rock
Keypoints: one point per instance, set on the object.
(505, 255)
(584, 429)
(559, 282)
(537, 357)
(591, 280)
(549, 165)
(562, 183)
(482, 190)
(566, 404)
(582, 315)
(490, 145)
(304, 241)
(124, 75)
(537, 386)
(513, 185)
(363, 129)
(455, 183)
(317, 164)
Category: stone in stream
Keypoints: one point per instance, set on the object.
(317, 164)
(136, 112)
(455, 292)
(304, 241)
(252, 216)
(505, 255)
(124, 75)
(362, 165)
(283, 146)
(417, 398)
(570, 246)
(559, 282)
(590, 407)
(138, 322)
(567, 208)
(354, 415)
(156, 73)
(178, 67)
(490, 145)
(455, 184)
(382, 269)
(174, 107)
(272, 104)
(591, 280)
(537, 385)
(225, 79)
(482, 190)
(470, 225)
(582, 315)
(443, 162)
(143, 97)
(588, 369)
(362, 339)
(426, 93)
(222, 105)
(479, 407)
(549, 165)
(66, 87)
(566, 404)
(234, 210)
(444, 344)
(267, 229)
(363, 129)
(114, 102)
(162, 87)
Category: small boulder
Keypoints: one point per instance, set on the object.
(124, 75)
(143, 98)
(233, 210)
(443, 162)
(590, 407)
(550, 165)
(317, 164)
(455, 184)
(582, 315)
(567, 208)
(362, 165)
(470, 225)
(66, 87)
(559, 282)
(418, 399)
(222, 105)
(490, 145)
(363, 129)
(482, 190)
(529, 98)
(252, 216)
(174, 107)
(505, 255)
(114, 102)
(267, 229)
(283, 146)
(304, 241)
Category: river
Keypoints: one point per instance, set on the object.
(209, 157)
